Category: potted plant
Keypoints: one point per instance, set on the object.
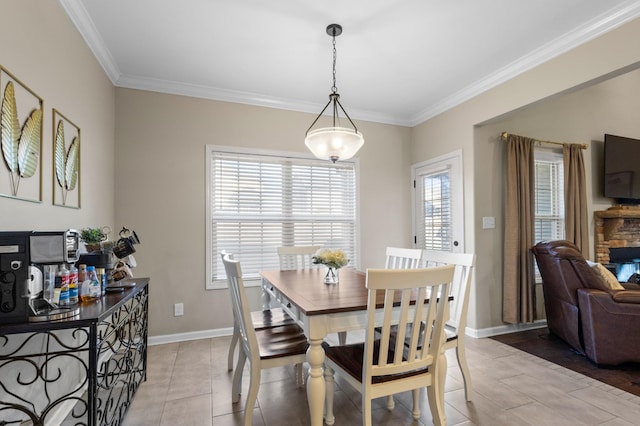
(92, 237)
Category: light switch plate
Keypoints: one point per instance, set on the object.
(488, 222)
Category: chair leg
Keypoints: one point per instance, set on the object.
(329, 418)
(435, 396)
(236, 388)
(342, 338)
(464, 368)
(391, 404)
(232, 346)
(416, 404)
(299, 375)
(366, 409)
(252, 396)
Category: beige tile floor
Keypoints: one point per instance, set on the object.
(188, 384)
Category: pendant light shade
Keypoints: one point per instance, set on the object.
(335, 142)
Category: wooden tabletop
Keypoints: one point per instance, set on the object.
(307, 291)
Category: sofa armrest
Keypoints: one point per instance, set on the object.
(626, 296)
(605, 327)
(631, 286)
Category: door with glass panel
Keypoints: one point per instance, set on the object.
(438, 219)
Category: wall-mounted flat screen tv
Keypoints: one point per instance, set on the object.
(622, 169)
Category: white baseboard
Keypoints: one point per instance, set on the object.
(504, 329)
(219, 332)
(192, 335)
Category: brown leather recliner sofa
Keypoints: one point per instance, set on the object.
(583, 311)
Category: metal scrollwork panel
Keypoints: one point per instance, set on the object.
(122, 359)
(43, 376)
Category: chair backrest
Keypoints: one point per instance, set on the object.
(460, 286)
(402, 258)
(297, 257)
(241, 309)
(388, 288)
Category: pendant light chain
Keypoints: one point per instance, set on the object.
(334, 88)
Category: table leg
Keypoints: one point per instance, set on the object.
(266, 297)
(315, 383)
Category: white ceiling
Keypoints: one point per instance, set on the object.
(398, 61)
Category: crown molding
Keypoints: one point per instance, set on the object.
(590, 30)
(217, 94)
(85, 26)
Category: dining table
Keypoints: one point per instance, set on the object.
(321, 309)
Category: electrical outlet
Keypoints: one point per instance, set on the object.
(178, 309)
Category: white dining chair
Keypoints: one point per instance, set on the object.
(377, 368)
(401, 258)
(460, 288)
(297, 257)
(267, 348)
(267, 318)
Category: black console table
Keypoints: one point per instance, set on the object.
(79, 371)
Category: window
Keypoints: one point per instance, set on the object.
(549, 197)
(437, 212)
(258, 202)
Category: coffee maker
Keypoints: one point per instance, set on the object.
(27, 259)
(14, 277)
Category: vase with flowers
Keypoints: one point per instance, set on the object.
(333, 260)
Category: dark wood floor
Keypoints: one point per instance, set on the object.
(541, 343)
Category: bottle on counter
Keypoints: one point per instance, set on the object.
(82, 273)
(73, 285)
(102, 278)
(91, 288)
(62, 282)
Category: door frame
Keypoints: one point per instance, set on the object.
(453, 161)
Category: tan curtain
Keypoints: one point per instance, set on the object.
(575, 198)
(518, 296)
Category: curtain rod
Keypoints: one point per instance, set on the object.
(504, 136)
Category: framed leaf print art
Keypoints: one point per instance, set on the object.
(66, 162)
(21, 140)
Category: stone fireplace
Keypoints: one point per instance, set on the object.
(618, 237)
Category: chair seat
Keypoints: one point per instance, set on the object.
(277, 342)
(350, 359)
(270, 318)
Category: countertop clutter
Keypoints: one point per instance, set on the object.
(45, 276)
(84, 369)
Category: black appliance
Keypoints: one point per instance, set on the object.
(14, 277)
(622, 169)
(23, 257)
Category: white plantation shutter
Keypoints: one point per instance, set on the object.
(261, 202)
(549, 197)
(436, 212)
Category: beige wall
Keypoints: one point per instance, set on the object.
(160, 176)
(158, 155)
(41, 47)
(582, 117)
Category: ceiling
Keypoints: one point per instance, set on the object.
(398, 62)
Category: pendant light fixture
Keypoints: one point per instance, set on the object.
(334, 143)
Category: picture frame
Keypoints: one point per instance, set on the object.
(66, 161)
(21, 117)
